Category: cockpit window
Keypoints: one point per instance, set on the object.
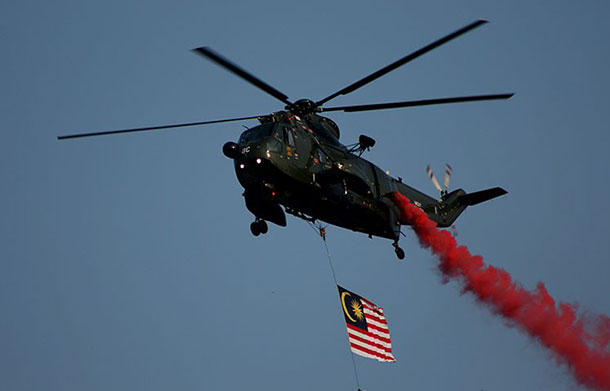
(256, 133)
(324, 132)
(285, 133)
(289, 136)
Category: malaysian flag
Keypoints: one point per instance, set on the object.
(367, 328)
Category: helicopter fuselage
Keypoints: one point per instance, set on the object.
(297, 162)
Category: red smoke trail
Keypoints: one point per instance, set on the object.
(581, 342)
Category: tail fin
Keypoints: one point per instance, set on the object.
(452, 206)
(481, 196)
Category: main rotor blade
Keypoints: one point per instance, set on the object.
(373, 76)
(223, 62)
(411, 103)
(81, 135)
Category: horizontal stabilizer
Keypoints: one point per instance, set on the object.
(481, 196)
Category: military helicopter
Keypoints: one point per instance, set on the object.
(294, 159)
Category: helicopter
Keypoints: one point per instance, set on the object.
(293, 162)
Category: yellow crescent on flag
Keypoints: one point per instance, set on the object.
(345, 308)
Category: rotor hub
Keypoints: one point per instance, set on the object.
(302, 107)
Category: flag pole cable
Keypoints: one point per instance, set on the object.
(322, 232)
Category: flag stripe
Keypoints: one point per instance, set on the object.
(378, 329)
(382, 336)
(385, 337)
(374, 322)
(373, 335)
(368, 342)
(378, 355)
(370, 348)
(374, 338)
(368, 303)
(363, 354)
(374, 311)
(375, 315)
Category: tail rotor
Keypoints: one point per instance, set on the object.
(444, 191)
(447, 176)
(433, 178)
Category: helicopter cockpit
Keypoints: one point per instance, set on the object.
(270, 136)
(256, 133)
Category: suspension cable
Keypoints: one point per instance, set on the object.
(321, 230)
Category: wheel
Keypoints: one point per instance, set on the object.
(255, 228)
(400, 253)
(262, 226)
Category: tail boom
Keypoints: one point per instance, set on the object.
(452, 206)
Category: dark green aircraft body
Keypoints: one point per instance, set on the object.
(298, 162)
(294, 159)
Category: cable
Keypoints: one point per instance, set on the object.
(322, 232)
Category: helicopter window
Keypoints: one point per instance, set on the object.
(256, 133)
(320, 157)
(278, 133)
(275, 145)
(289, 136)
(323, 133)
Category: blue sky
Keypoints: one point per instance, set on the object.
(126, 262)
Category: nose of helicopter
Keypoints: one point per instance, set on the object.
(252, 166)
(260, 149)
(255, 162)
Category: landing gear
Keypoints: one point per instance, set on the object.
(400, 253)
(262, 225)
(255, 229)
(258, 227)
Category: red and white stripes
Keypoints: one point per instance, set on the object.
(375, 342)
